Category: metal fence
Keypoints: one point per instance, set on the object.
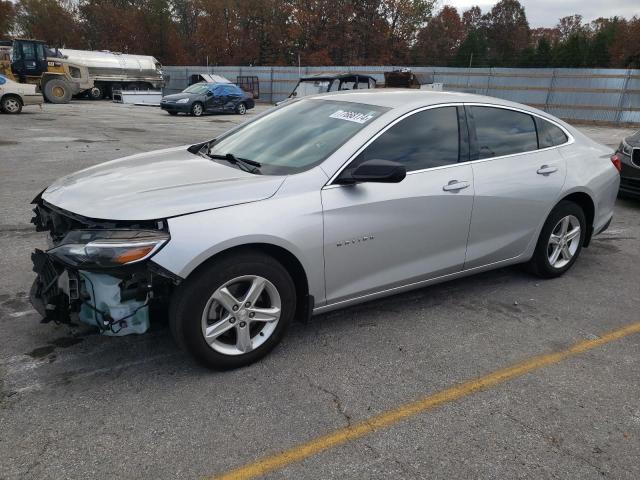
(591, 95)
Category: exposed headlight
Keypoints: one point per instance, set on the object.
(625, 148)
(183, 100)
(108, 248)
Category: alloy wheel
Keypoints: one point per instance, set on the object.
(241, 315)
(196, 110)
(242, 109)
(564, 241)
(11, 105)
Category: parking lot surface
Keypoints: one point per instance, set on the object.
(74, 404)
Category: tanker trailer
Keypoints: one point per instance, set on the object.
(111, 71)
(31, 61)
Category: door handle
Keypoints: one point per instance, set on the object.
(455, 185)
(546, 170)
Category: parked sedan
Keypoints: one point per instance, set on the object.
(14, 95)
(201, 98)
(628, 157)
(325, 202)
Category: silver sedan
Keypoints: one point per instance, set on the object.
(325, 202)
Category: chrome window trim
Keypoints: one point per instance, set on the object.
(570, 138)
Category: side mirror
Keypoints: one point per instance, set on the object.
(209, 93)
(378, 171)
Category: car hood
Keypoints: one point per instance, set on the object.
(633, 140)
(178, 96)
(155, 185)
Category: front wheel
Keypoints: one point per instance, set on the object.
(233, 311)
(241, 109)
(196, 109)
(57, 90)
(560, 241)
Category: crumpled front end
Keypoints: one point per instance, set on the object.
(99, 272)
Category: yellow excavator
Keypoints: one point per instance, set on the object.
(31, 61)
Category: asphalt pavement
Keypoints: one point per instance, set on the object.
(77, 405)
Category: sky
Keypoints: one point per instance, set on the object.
(545, 13)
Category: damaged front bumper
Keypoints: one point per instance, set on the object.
(99, 272)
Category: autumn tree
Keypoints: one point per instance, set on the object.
(132, 26)
(7, 17)
(405, 18)
(54, 21)
(507, 32)
(625, 48)
(472, 19)
(440, 40)
(368, 30)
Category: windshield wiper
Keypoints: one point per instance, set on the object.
(250, 166)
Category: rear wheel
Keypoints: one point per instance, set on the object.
(560, 241)
(196, 109)
(57, 90)
(234, 310)
(11, 104)
(96, 93)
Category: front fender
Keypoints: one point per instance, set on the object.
(292, 223)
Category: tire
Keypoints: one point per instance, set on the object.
(194, 309)
(57, 90)
(241, 109)
(96, 93)
(173, 114)
(197, 109)
(563, 220)
(11, 104)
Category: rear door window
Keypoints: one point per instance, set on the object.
(549, 135)
(503, 132)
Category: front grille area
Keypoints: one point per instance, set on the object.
(635, 157)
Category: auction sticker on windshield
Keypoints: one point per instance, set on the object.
(356, 117)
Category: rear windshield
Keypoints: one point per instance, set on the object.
(297, 136)
(311, 87)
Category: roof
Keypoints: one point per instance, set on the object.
(408, 99)
(333, 75)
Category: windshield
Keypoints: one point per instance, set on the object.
(311, 87)
(197, 88)
(297, 136)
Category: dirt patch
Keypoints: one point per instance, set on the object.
(8, 142)
(41, 352)
(62, 342)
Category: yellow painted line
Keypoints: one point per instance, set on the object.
(385, 419)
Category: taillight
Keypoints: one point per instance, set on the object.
(615, 159)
